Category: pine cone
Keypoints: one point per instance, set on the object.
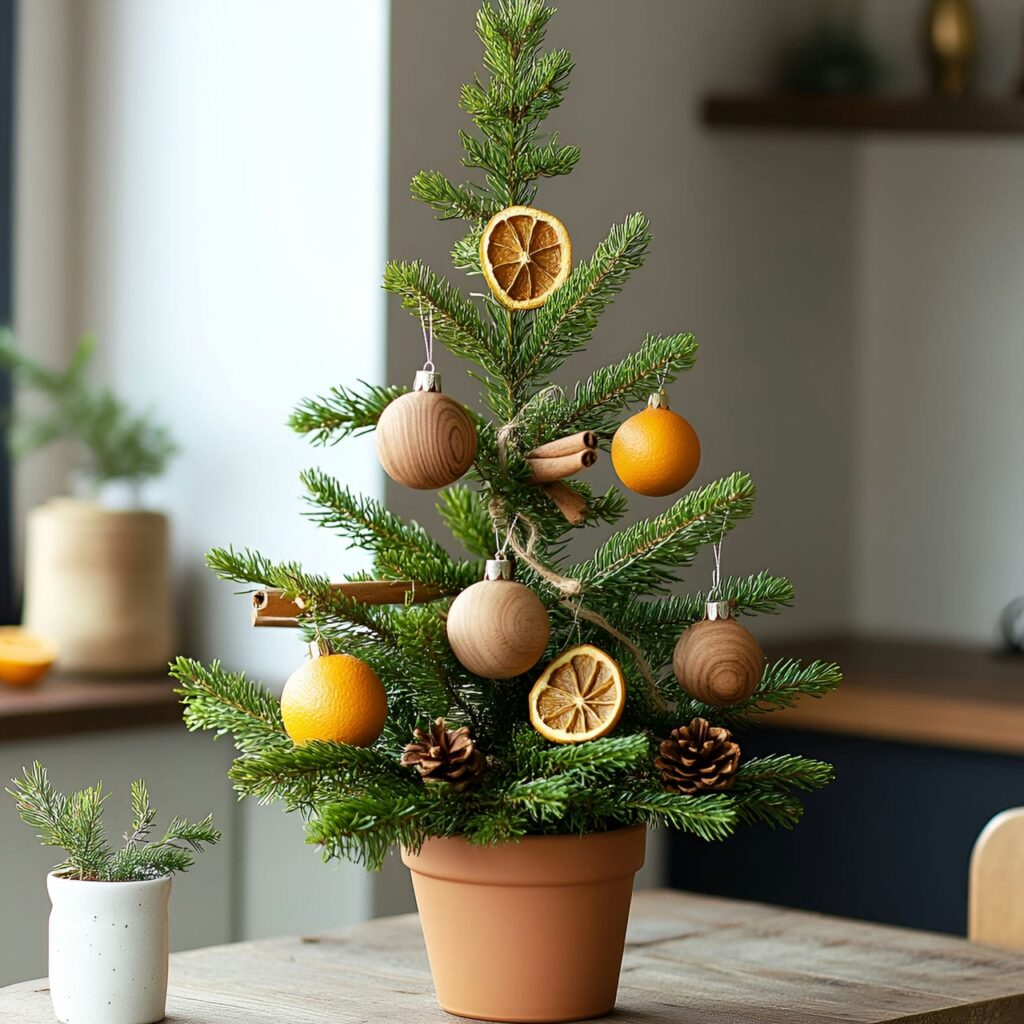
(698, 758)
(445, 755)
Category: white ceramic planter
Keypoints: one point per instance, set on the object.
(108, 950)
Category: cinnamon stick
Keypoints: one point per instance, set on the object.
(570, 502)
(271, 608)
(548, 470)
(585, 439)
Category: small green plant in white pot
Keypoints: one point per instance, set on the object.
(97, 564)
(108, 926)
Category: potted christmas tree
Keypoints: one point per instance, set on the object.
(97, 564)
(513, 719)
(108, 942)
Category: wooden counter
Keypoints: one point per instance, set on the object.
(963, 697)
(64, 705)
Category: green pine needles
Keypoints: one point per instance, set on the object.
(358, 802)
(75, 824)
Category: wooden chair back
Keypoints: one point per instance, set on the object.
(995, 900)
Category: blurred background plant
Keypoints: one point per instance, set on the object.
(116, 442)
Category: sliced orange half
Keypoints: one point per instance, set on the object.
(526, 255)
(579, 696)
(24, 657)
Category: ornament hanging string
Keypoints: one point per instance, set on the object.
(427, 326)
(715, 593)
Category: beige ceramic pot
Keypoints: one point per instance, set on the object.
(97, 583)
(529, 931)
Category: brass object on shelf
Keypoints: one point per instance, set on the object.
(952, 42)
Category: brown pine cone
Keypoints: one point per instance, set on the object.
(698, 758)
(445, 755)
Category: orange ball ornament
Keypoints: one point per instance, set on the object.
(656, 452)
(717, 661)
(333, 697)
(498, 628)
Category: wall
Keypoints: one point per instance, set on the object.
(753, 251)
(211, 205)
(939, 419)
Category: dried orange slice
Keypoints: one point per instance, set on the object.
(579, 696)
(526, 255)
(24, 657)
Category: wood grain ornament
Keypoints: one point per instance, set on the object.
(425, 440)
(718, 662)
(498, 629)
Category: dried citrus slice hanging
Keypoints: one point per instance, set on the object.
(525, 255)
(24, 657)
(579, 696)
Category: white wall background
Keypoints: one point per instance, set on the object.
(203, 185)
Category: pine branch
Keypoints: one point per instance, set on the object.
(661, 622)
(401, 550)
(649, 554)
(451, 201)
(710, 817)
(363, 828)
(226, 702)
(784, 682)
(597, 402)
(763, 783)
(302, 775)
(246, 566)
(568, 319)
(466, 516)
(456, 321)
(75, 824)
(343, 412)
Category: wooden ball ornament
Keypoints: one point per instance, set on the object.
(498, 628)
(718, 661)
(425, 439)
(657, 451)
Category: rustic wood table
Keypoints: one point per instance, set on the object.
(689, 960)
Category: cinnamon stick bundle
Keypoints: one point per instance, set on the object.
(271, 608)
(548, 470)
(570, 502)
(585, 439)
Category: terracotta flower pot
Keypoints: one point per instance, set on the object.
(530, 931)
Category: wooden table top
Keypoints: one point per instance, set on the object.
(689, 960)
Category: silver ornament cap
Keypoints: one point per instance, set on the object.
(715, 611)
(427, 380)
(498, 569)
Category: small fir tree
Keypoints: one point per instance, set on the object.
(359, 801)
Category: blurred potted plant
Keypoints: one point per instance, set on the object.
(108, 943)
(97, 566)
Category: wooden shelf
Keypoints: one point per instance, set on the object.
(962, 697)
(898, 114)
(65, 705)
